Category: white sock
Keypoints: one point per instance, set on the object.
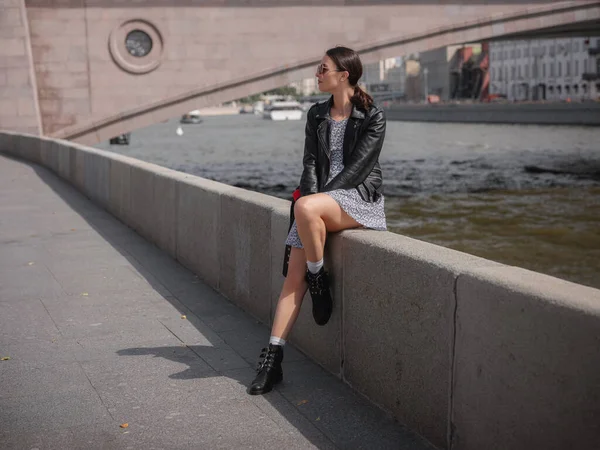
(314, 267)
(276, 341)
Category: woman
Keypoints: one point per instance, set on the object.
(340, 188)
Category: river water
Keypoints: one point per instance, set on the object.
(527, 196)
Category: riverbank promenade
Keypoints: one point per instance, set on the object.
(103, 329)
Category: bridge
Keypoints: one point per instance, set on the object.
(137, 296)
(89, 70)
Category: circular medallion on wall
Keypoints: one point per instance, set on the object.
(136, 46)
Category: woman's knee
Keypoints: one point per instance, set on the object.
(304, 208)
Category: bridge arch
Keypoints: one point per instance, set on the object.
(110, 114)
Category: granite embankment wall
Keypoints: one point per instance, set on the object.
(510, 113)
(469, 353)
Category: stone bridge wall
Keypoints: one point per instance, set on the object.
(469, 353)
(80, 80)
(18, 92)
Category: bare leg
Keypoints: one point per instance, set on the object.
(292, 293)
(269, 368)
(316, 215)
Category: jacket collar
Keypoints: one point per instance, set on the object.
(324, 108)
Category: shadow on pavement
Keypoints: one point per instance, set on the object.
(220, 341)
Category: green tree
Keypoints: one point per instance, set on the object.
(285, 90)
(250, 99)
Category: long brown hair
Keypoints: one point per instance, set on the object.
(348, 60)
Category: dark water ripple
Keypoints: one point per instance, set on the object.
(418, 158)
(405, 178)
(522, 195)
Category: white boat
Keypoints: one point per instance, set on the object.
(283, 110)
(191, 117)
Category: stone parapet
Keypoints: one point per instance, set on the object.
(469, 353)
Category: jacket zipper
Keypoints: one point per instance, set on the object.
(323, 143)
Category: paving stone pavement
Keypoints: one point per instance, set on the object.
(90, 316)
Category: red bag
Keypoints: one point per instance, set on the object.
(296, 195)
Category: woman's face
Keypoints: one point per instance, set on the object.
(328, 75)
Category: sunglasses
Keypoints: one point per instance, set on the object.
(322, 70)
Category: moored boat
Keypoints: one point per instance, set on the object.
(191, 117)
(283, 110)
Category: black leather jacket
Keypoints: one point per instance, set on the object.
(363, 140)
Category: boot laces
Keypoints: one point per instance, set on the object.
(267, 360)
(316, 284)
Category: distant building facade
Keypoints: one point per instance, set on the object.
(307, 86)
(387, 75)
(413, 91)
(519, 70)
(455, 71)
(546, 69)
(396, 78)
(436, 79)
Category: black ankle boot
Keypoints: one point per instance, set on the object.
(269, 370)
(318, 285)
